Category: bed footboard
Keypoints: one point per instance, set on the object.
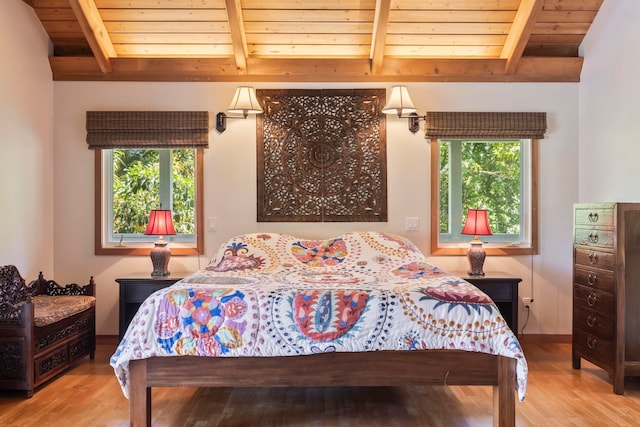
(382, 368)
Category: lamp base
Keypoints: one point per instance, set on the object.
(476, 255)
(160, 255)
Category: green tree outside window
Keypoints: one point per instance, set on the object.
(143, 180)
(487, 175)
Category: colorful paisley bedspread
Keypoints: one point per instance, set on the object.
(273, 294)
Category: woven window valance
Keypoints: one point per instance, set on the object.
(439, 124)
(147, 129)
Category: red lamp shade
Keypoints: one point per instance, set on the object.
(160, 223)
(477, 223)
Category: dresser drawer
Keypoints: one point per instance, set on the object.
(140, 292)
(596, 323)
(592, 299)
(497, 293)
(594, 216)
(593, 237)
(594, 279)
(595, 349)
(593, 258)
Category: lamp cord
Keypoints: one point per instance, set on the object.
(525, 320)
(528, 308)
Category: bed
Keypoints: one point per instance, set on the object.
(361, 309)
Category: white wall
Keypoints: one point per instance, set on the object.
(230, 182)
(609, 122)
(26, 142)
(601, 110)
(36, 199)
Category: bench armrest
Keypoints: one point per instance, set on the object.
(14, 293)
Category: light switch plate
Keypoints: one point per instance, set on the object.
(412, 223)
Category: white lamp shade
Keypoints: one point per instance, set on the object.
(399, 102)
(245, 101)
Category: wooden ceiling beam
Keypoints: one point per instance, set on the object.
(379, 35)
(560, 69)
(93, 28)
(333, 40)
(520, 32)
(238, 35)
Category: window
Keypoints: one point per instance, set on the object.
(485, 160)
(142, 180)
(147, 160)
(497, 175)
(134, 181)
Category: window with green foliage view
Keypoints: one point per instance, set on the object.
(484, 174)
(144, 179)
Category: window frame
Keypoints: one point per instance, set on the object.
(493, 248)
(142, 248)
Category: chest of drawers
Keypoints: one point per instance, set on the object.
(606, 288)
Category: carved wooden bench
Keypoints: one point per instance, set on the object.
(44, 329)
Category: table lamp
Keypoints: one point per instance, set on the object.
(160, 224)
(477, 224)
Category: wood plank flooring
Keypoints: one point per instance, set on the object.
(557, 395)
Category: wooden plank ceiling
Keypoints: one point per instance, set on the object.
(317, 40)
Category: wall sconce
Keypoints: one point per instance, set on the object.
(244, 102)
(477, 224)
(400, 103)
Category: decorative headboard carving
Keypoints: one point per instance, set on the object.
(322, 156)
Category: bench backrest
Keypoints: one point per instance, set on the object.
(43, 286)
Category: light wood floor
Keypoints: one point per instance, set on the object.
(557, 395)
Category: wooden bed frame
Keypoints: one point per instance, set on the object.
(379, 368)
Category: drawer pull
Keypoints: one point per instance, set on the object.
(593, 216)
(593, 238)
(591, 321)
(593, 258)
(592, 279)
(592, 300)
(591, 342)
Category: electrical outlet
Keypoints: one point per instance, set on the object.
(526, 302)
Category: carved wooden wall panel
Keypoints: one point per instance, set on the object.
(322, 156)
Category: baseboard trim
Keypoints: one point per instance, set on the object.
(107, 340)
(545, 338)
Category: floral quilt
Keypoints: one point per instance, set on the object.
(270, 294)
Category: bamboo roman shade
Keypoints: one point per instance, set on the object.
(147, 129)
(484, 125)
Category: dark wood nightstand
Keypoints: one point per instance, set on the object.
(503, 290)
(134, 289)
